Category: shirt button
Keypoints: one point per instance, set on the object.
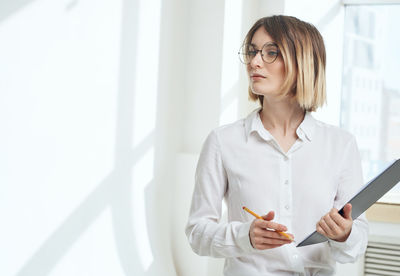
(286, 182)
(295, 256)
(286, 158)
(287, 207)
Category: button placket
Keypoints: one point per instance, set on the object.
(287, 191)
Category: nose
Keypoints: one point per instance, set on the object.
(257, 60)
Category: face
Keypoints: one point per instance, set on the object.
(265, 78)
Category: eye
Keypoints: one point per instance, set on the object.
(252, 53)
(270, 51)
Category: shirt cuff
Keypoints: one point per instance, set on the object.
(243, 238)
(350, 243)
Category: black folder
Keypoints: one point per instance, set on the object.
(368, 195)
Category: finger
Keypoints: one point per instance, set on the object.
(273, 234)
(321, 230)
(331, 224)
(333, 211)
(338, 219)
(347, 211)
(261, 243)
(269, 216)
(291, 239)
(276, 226)
(273, 241)
(270, 225)
(264, 233)
(325, 227)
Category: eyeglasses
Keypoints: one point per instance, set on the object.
(269, 52)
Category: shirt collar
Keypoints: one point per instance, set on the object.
(253, 124)
(307, 126)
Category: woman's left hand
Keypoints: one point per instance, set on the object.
(334, 226)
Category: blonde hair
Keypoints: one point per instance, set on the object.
(303, 52)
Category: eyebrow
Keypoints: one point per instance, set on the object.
(270, 42)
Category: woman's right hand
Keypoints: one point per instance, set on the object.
(263, 233)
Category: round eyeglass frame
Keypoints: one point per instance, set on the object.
(242, 54)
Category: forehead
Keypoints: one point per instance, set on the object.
(260, 38)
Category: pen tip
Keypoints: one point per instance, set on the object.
(243, 207)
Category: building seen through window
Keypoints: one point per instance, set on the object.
(370, 106)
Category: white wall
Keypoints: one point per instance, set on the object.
(88, 128)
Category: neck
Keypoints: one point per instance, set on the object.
(283, 115)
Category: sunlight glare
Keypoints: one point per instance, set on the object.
(146, 79)
(230, 69)
(142, 176)
(144, 120)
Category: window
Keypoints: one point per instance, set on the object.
(370, 107)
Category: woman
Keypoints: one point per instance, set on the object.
(280, 162)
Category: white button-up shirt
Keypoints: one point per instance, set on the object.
(243, 164)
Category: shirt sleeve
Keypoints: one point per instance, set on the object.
(350, 181)
(206, 234)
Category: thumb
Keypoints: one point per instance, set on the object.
(347, 211)
(269, 216)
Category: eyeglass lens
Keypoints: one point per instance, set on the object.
(269, 53)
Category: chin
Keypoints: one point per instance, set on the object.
(264, 91)
(260, 92)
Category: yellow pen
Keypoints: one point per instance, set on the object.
(257, 216)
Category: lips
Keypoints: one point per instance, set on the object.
(255, 75)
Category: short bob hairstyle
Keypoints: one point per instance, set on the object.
(303, 52)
